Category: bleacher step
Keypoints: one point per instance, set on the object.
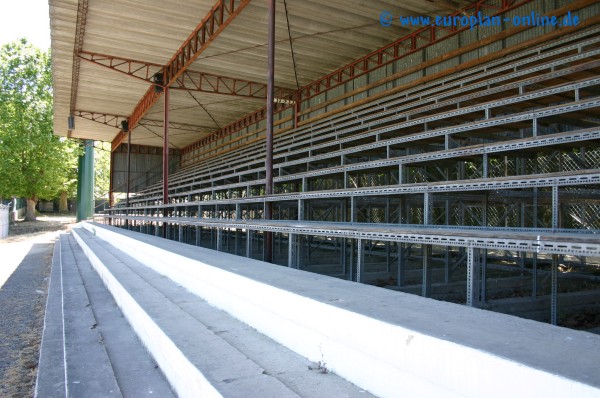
(221, 355)
(88, 348)
(73, 360)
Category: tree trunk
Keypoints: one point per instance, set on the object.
(30, 215)
(62, 204)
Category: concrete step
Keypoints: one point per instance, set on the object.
(388, 343)
(88, 348)
(202, 350)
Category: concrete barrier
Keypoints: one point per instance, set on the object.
(389, 343)
(4, 222)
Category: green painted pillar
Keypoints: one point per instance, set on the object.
(85, 182)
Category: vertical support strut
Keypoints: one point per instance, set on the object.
(554, 290)
(85, 182)
(111, 199)
(427, 208)
(248, 243)
(268, 244)
(293, 251)
(128, 176)
(166, 148)
(165, 169)
(359, 260)
(483, 274)
(128, 168)
(219, 239)
(426, 285)
(555, 207)
(401, 268)
(471, 276)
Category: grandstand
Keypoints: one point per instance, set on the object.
(460, 163)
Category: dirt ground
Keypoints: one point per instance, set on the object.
(23, 300)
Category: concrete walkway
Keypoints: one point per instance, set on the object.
(14, 249)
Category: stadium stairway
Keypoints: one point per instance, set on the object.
(193, 322)
(90, 350)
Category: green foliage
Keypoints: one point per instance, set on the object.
(34, 163)
(101, 172)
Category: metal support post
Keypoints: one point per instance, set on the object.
(268, 236)
(401, 174)
(300, 210)
(198, 236)
(128, 175)
(293, 251)
(360, 257)
(534, 270)
(400, 277)
(472, 267)
(248, 243)
(554, 207)
(483, 285)
(165, 168)
(447, 264)
(111, 198)
(85, 182)
(554, 290)
(426, 285)
(180, 233)
(343, 255)
(484, 166)
(219, 239)
(146, 225)
(427, 208)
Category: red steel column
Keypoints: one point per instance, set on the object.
(166, 149)
(111, 172)
(128, 167)
(165, 156)
(268, 247)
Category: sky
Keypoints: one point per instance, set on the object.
(25, 18)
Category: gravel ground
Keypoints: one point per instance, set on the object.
(22, 304)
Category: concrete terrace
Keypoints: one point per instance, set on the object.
(215, 324)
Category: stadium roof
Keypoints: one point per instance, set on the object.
(106, 52)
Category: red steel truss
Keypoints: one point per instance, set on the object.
(188, 80)
(150, 97)
(102, 118)
(131, 67)
(209, 83)
(217, 19)
(115, 121)
(221, 15)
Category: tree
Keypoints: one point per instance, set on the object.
(34, 163)
(101, 172)
(69, 184)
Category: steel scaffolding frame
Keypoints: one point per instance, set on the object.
(492, 165)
